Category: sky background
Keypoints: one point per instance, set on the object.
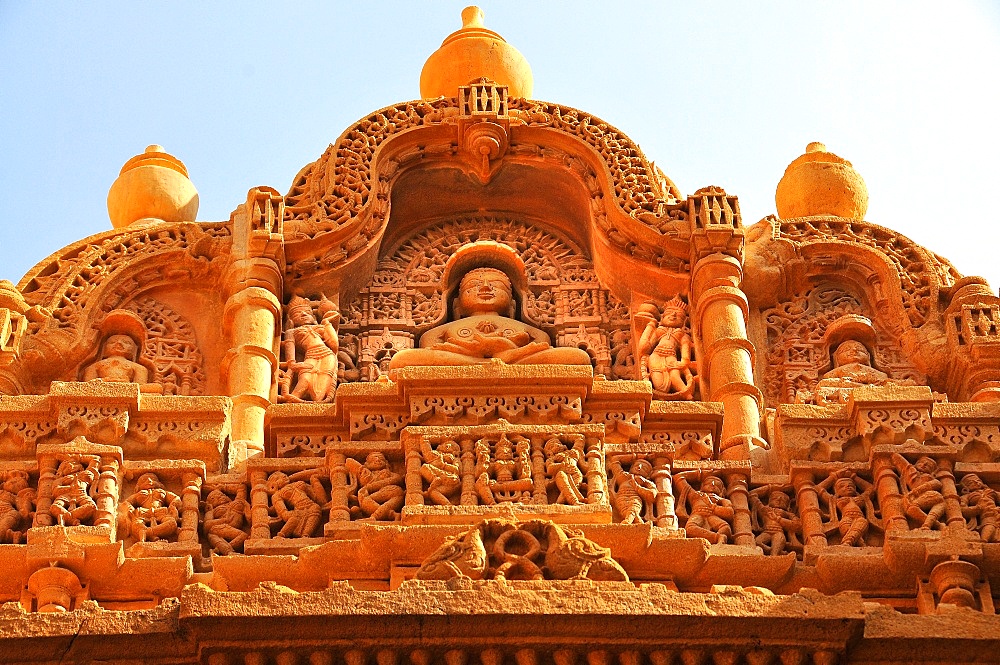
(721, 93)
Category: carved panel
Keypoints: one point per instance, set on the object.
(799, 354)
(172, 347)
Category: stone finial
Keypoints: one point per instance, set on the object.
(821, 183)
(153, 185)
(471, 53)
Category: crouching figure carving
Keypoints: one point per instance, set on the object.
(533, 550)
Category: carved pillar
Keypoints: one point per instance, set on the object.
(46, 480)
(190, 498)
(597, 475)
(889, 497)
(807, 500)
(340, 510)
(539, 495)
(259, 516)
(414, 482)
(108, 487)
(252, 316)
(468, 461)
(664, 510)
(720, 318)
(953, 506)
(739, 494)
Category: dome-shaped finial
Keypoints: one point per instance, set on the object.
(821, 183)
(471, 53)
(153, 185)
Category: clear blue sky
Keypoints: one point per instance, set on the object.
(723, 93)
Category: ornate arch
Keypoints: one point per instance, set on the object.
(74, 288)
(344, 195)
(922, 274)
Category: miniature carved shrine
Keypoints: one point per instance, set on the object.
(485, 387)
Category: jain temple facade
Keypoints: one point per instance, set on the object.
(484, 387)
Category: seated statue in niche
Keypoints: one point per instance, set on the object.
(484, 330)
(120, 357)
(852, 368)
(666, 350)
(309, 352)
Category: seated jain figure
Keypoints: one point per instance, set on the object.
(852, 368)
(483, 331)
(119, 358)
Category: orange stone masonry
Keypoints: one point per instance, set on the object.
(484, 387)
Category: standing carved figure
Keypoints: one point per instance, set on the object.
(297, 505)
(979, 502)
(17, 507)
(227, 520)
(779, 526)
(72, 495)
(709, 513)
(923, 500)
(666, 351)
(441, 471)
(633, 492)
(507, 476)
(152, 512)
(851, 512)
(310, 352)
(379, 489)
(565, 467)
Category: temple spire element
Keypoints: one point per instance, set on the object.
(152, 185)
(821, 183)
(471, 53)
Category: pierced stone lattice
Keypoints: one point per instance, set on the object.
(172, 347)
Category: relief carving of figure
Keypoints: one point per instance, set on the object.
(565, 467)
(506, 477)
(851, 512)
(379, 489)
(852, 368)
(441, 471)
(708, 511)
(152, 512)
(633, 492)
(227, 520)
(979, 507)
(73, 493)
(297, 505)
(120, 357)
(923, 500)
(778, 525)
(17, 507)
(309, 352)
(666, 350)
(483, 330)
